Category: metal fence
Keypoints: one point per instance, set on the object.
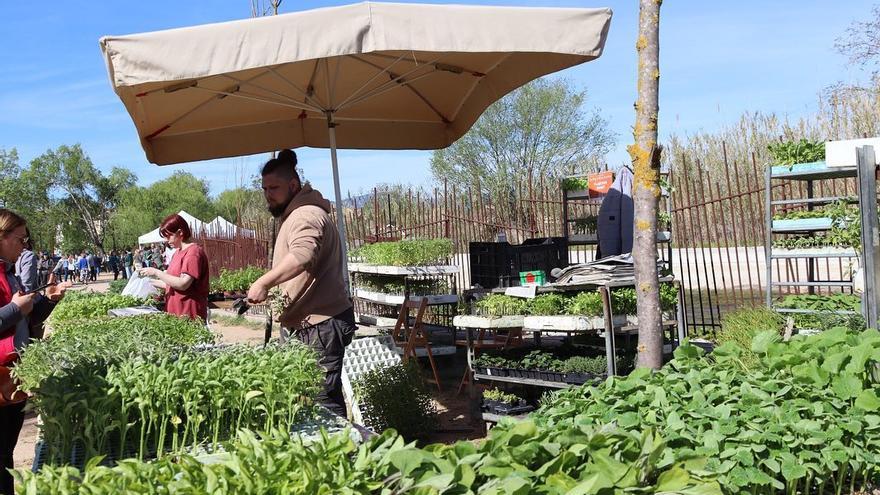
(718, 229)
(235, 250)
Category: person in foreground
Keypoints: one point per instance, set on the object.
(19, 312)
(186, 282)
(307, 265)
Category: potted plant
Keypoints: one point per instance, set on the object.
(576, 187)
(586, 227)
(580, 369)
(497, 402)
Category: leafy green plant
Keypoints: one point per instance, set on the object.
(586, 225)
(389, 284)
(664, 220)
(396, 397)
(802, 420)
(501, 305)
(408, 252)
(801, 151)
(584, 303)
(202, 397)
(517, 458)
(90, 305)
(538, 360)
(597, 365)
(500, 396)
(740, 327)
(75, 359)
(236, 280)
(826, 308)
(546, 305)
(846, 228)
(575, 184)
(116, 286)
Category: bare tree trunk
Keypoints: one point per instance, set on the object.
(646, 190)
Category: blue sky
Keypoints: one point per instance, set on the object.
(718, 59)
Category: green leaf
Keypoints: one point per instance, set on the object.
(672, 480)
(868, 400)
(763, 340)
(846, 386)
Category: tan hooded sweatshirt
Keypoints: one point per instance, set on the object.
(308, 233)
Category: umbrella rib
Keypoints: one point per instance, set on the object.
(304, 93)
(279, 95)
(246, 96)
(396, 82)
(395, 78)
(476, 82)
(312, 82)
(370, 80)
(182, 116)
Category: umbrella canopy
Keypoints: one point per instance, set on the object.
(367, 76)
(393, 76)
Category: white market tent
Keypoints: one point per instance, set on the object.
(221, 227)
(154, 237)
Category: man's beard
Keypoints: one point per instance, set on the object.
(278, 210)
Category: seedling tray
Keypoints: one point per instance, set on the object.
(802, 224)
(581, 378)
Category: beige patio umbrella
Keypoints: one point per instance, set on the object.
(366, 76)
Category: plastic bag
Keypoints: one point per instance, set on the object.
(138, 286)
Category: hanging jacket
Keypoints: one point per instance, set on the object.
(615, 224)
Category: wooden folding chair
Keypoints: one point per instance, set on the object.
(410, 338)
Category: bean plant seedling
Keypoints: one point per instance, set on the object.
(803, 419)
(408, 252)
(90, 306)
(517, 458)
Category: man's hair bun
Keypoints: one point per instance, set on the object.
(287, 156)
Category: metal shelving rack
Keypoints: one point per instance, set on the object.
(609, 328)
(865, 173)
(364, 299)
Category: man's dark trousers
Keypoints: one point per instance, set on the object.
(329, 339)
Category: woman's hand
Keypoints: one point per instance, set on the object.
(149, 272)
(56, 292)
(25, 302)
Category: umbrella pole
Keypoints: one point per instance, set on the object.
(340, 222)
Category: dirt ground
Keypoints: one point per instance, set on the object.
(454, 416)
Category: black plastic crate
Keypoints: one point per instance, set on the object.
(544, 254)
(490, 264)
(498, 264)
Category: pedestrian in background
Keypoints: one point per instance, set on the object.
(113, 264)
(26, 266)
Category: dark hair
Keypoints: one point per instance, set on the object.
(172, 224)
(284, 165)
(9, 220)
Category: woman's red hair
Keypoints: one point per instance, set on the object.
(174, 223)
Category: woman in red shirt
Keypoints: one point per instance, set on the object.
(186, 281)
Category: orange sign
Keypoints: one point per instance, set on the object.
(600, 183)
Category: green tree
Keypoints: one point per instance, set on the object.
(88, 197)
(141, 209)
(243, 206)
(541, 129)
(26, 193)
